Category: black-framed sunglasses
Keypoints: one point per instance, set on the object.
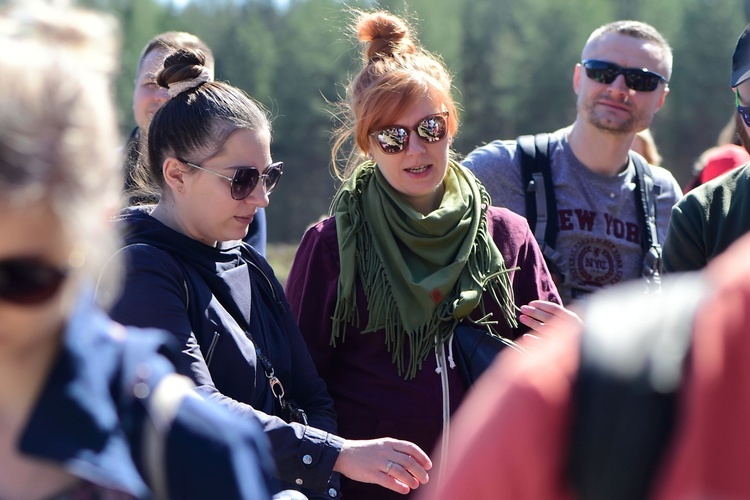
(393, 139)
(744, 111)
(29, 281)
(638, 79)
(245, 179)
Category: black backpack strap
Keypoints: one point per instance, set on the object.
(166, 255)
(633, 352)
(527, 151)
(541, 203)
(646, 192)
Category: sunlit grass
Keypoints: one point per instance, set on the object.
(280, 256)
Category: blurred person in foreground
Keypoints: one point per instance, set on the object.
(670, 416)
(148, 97)
(712, 216)
(88, 408)
(413, 259)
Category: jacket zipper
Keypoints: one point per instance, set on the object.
(268, 281)
(210, 353)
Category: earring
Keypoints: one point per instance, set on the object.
(179, 189)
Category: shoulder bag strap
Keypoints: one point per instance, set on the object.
(646, 192)
(168, 256)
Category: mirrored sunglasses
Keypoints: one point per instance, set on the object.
(244, 180)
(638, 79)
(744, 111)
(395, 138)
(29, 281)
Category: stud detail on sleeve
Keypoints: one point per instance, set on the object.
(141, 390)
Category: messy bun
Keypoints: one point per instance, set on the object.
(396, 73)
(386, 36)
(196, 122)
(183, 70)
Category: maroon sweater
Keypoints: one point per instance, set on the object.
(371, 399)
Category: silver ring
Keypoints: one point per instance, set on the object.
(388, 467)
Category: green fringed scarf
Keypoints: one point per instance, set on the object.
(421, 273)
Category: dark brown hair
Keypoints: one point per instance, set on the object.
(194, 124)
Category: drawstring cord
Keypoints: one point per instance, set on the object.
(451, 363)
(443, 372)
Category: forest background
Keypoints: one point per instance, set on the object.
(512, 63)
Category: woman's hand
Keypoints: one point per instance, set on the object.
(543, 317)
(397, 465)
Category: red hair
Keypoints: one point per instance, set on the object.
(396, 74)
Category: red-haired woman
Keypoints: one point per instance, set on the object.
(413, 249)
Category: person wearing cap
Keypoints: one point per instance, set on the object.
(621, 82)
(712, 216)
(727, 154)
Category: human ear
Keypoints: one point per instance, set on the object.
(173, 174)
(577, 78)
(663, 97)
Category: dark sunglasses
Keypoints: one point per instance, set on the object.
(395, 138)
(638, 79)
(29, 281)
(744, 111)
(245, 179)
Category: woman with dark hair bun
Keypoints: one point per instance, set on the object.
(412, 251)
(190, 273)
(148, 97)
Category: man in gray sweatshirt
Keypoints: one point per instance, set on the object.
(621, 82)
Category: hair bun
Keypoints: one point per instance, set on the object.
(184, 65)
(386, 35)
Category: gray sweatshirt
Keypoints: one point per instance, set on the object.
(599, 233)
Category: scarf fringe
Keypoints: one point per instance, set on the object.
(382, 307)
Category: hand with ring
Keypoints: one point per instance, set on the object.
(406, 465)
(388, 468)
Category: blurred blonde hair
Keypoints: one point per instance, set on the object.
(645, 146)
(58, 135)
